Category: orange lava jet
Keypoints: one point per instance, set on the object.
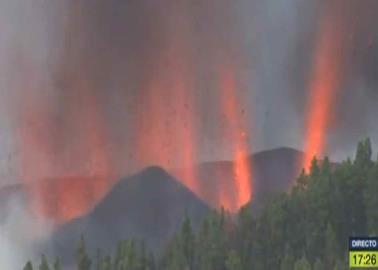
(53, 150)
(63, 139)
(324, 82)
(237, 136)
(166, 115)
(64, 198)
(61, 134)
(166, 126)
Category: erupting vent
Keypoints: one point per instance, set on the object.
(238, 139)
(325, 81)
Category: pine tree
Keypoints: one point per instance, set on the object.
(331, 247)
(363, 155)
(131, 260)
(82, 259)
(120, 256)
(245, 236)
(44, 264)
(371, 200)
(326, 167)
(302, 180)
(106, 263)
(233, 261)
(187, 242)
(57, 264)
(181, 251)
(302, 264)
(212, 242)
(175, 258)
(98, 259)
(143, 259)
(318, 265)
(288, 262)
(314, 170)
(28, 266)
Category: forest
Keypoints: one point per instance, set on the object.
(306, 228)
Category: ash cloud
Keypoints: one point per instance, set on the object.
(73, 69)
(114, 47)
(21, 234)
(282, 37)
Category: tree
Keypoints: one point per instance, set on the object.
(318, 265)
(302, 264)
(212, 242)
(130, 259)
(331, 246)
(187, 242)
(181, 252)
(120, 256)
(233, 261)
(246, 236)
(288, 262)
(82, 259)
(363, 154)
(175, 256)
(314, 170)
(57, 264)
(302, 180)
(28, 266)
(326, 167)
(371, 200)
(44, 264)
(106, 263)
(143, 259)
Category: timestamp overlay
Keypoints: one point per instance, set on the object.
(363, 252)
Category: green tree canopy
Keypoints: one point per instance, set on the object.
(44, 264)
(28, 266)
(302, 264)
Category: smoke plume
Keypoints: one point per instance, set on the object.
(99, 89)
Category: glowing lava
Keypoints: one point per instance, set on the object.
(53, 147)
(324, 83)
(64, 198)
(238, 140)
(64, 130)
(166, 115)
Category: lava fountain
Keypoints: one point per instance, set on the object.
(238, 139)
(55, 192)
(66, 126)
(166, 118)
(61, 143)
(325, 81)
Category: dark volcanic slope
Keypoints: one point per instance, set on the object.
(274, 170)
(149, 206)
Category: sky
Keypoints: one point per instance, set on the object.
(102, 87)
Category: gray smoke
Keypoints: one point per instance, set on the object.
(114, 47)
(67, 64)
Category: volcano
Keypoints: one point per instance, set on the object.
(150, 205)
(273, 171)
(147, 206)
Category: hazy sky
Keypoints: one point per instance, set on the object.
(51, 50)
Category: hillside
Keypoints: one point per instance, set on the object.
(149, 205)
